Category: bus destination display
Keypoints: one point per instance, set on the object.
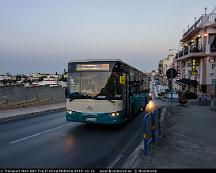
(92, 67)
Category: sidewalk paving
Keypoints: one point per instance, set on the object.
(188, 141)
(6, 115)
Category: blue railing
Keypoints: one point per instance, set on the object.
(152, 128)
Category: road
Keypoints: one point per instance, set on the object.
(50, 142)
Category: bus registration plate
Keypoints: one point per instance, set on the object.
(90, 119)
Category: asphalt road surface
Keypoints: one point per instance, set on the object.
(50, 142)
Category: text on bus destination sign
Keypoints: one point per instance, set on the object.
(92, 67)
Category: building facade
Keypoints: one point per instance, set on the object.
(196, 61)
(163, 66)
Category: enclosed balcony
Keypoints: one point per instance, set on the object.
(199, 50)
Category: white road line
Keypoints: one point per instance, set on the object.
(115, 161)
(37, 134)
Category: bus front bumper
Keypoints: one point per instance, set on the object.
(97, 118)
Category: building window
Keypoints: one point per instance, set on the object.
(212, 41)
(189, 72)
(203, 88)
(183, 63)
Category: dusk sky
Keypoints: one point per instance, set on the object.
(43, 35)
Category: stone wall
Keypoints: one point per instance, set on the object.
(20, 96)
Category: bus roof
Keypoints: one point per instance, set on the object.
(104, 60)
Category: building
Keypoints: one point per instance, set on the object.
(196, 60)
(163, 66)
(146, 80)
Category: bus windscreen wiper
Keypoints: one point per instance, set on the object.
(77, 95)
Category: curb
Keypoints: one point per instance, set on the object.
(168, 100)
(133, 158)
(27, 115)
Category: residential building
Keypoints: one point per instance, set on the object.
(164, 65)
(196, 61)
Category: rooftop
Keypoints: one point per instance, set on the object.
(206, 20)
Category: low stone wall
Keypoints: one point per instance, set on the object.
(20, 96)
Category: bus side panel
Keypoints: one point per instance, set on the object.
(138, 103)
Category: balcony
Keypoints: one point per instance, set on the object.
(191, 51)
(211, 20)
(194, 29)
(187, 51)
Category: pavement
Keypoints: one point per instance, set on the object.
(188, 140)
(6, 115)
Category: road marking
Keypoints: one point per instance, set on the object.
(41, 133)
(115, 161)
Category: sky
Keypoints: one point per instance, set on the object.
(43, 35)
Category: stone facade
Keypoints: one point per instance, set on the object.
(20, 96)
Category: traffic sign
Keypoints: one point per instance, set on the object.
(171, 73)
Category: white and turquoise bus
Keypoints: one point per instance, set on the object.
(104, 91)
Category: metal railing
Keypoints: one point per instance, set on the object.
(200, 23)
(152, 128)
(188, 50)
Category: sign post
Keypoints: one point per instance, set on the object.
(171, 73)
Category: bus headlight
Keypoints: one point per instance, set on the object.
(70, 112)
(114, 114)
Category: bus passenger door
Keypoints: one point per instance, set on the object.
(126, 97)
(129, 114)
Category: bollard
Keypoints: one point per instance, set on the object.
(159, 125)
(145, 136)
(150, 131)
(153, 126)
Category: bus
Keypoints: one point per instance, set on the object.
(104, 91)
